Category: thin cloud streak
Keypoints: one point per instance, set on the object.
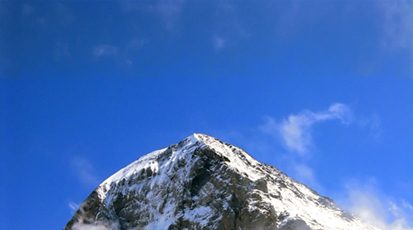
(305, 174)
(218, 42)
(398, 19)
(123, 55)
(73, 207)
(85, 171)
(104, 50)
(168, 11)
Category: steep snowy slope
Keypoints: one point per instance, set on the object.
(204, 183)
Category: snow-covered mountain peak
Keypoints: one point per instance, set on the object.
(233, 153)
(204, 138)
(204, 183)
(155, 161)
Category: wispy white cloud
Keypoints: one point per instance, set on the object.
(61, 50)
(398, 20)
(37, 16)
(305, 174)
(168, 11)
(136, 43)
(27, 9)
(85, 171)
(372, 123)
(295, 130)
(228, 26)
(104, 50)
(73, 206)
(123, 55)
(218, 42)
(367, 202)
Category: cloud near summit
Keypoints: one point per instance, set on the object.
(295, 130)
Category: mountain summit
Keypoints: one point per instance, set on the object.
(204, 183)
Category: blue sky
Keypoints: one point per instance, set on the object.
(322, 90)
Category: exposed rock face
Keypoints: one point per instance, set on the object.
(204, 183)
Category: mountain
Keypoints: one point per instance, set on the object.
(204, 183)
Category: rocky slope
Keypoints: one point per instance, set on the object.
(204, 183)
